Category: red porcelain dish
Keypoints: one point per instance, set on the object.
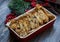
(36, 32)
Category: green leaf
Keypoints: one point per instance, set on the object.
(19, 6)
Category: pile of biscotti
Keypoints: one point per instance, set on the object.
(32, 20)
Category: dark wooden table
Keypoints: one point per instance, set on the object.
(50, 35)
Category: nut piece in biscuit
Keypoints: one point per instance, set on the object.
(13, 26)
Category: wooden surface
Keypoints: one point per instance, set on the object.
(50, 35)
